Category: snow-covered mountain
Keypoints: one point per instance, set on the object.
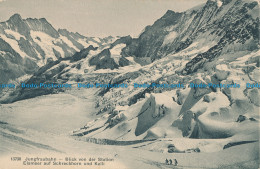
(203, 33)
(216, 43)
(27, 44)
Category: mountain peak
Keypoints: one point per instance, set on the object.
(169, 12)
(15, 17)
(43, 20)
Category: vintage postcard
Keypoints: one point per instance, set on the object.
(129, 84)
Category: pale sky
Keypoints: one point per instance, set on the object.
(96, 17)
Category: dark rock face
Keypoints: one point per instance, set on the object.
(82, 54)
(151, 40)
(254, 97)
(4, 46)
(230, 24)
(241, 118)
(12, 65)
(236, 26)
(16, 23)
(24, 26)
(42, 25)
(26, 47)
(6, 68)
(123, 62)
(125, 40)
(73, 37)
(206, 98)
(103, 61)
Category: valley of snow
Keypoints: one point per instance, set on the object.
(40, 127)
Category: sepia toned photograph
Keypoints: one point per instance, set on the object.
(129, 84)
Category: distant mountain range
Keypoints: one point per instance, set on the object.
(193, 41)
(28, 44)
(204, 33)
